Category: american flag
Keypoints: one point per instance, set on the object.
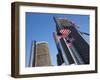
(63, 33)
(70, 41)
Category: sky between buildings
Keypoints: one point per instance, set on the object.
(40, 27)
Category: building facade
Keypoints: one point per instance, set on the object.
(72, 48)
(40, 55)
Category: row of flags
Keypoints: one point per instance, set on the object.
(63, 33)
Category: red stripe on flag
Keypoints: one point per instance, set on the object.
(65, 32)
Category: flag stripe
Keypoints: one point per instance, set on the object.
(64, 33)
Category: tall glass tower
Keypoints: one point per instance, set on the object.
(72, 48)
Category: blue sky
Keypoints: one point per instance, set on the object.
(40, 27)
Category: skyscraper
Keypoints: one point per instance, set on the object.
(40, 55)
(73, 47)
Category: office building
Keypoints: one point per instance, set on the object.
(71, 44)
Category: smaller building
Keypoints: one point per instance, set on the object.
(40, 54)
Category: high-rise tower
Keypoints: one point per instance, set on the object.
(73, 47)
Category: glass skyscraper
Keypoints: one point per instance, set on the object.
(78, 51)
